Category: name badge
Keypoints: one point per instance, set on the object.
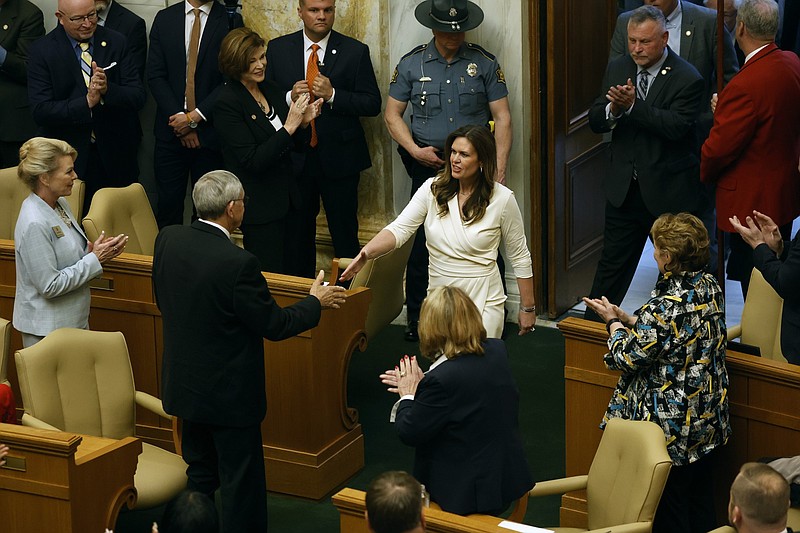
(58, 231)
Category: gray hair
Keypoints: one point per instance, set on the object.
(642, 14)
(40, 155)
(214, 191)
(760, 17)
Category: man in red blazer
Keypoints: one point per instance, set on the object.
(754, 145)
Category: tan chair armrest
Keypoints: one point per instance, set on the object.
(33, 422)
(636, 527)
(734, 332)
(723, 529)
(559, 486)
(152, 404)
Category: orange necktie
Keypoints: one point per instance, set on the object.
(312, 69)
(191, 64)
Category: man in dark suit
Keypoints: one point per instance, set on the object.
(89, 98)
(117, 17)
(752, 152)
(759, 501)
(337, 151)
(21, 23)
(650, 107)
(216, 310)
(186, 144)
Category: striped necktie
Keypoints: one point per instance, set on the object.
(644, 82)
(86, 69)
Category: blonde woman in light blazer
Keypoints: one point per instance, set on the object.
(54, 259)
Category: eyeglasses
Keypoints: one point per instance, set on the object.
(91, 17)
(244, 200)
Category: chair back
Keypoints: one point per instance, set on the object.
(5, 350)
(13, 192)
(79, 381)
(123, 210)
(761, 317)
(628, 474)
(384, 277)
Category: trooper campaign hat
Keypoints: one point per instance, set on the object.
(449, 15)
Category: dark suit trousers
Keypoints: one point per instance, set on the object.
(231, 459)
(174, 164)
(9, 153)
(625, 233)
(687, 505)
(340, 198)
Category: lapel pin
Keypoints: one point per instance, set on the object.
(688, 33)
(333, 51)
(5, 26)
(103, 43)
(253, 117)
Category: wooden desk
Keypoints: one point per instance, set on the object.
(312, 439)
(350, 503)
(61, 482)
(764, 398)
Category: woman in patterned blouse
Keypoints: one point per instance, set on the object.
(671, 353)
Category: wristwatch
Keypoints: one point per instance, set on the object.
(192, 123)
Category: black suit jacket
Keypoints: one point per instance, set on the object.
(784, 275)
(464, 425)
(216, 310)
(131, 25)
(25, 24)
(658, 138)
(57, 95)
(342, 146)
(255, 152)
(166, 68)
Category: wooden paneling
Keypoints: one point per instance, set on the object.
(578, 34)
(764, 396)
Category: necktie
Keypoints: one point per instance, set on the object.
(312, 69)
(86, 69)
(191, 63)
(644, 82)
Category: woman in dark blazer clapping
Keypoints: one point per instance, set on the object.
(462, 414)
(258, 131)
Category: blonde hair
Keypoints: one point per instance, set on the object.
(39, 156)
(450, 324)
(684, 238)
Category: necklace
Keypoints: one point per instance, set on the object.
(63, 215)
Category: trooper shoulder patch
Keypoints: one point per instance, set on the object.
(394, 75)
(501, 78)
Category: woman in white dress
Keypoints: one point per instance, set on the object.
(465, 214)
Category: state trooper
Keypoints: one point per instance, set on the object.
(449, 83)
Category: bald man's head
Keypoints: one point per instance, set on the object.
(79, 18)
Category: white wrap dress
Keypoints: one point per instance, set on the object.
(465, 255)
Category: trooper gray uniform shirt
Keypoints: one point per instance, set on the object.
(445, 96)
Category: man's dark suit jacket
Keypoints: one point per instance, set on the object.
(784, 275)
(342, 146)
(464, 424)
(217, 309)
(166, 68)
(255, 152)
(131, 25)
(57, 95)
(658, 138)
(25, 24)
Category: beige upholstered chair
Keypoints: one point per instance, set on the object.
(13, 192)
(761, 318)
(384, 277)
(81, 381)
(123, 210)
(5, 349)
(624, 483)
